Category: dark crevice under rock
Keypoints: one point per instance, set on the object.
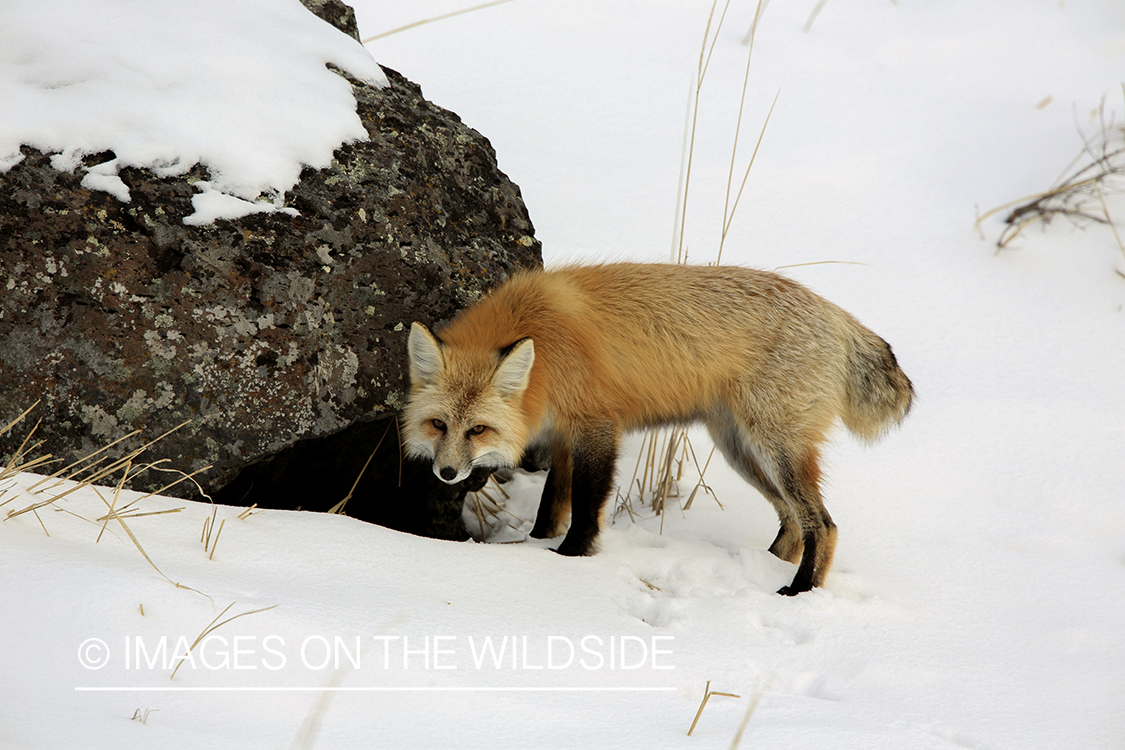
(364, 465)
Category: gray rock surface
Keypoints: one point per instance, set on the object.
(264, 331)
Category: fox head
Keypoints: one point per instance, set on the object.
(464, 407)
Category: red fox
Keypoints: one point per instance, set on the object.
(571, 359)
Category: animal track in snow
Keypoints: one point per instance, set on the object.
(790, 633)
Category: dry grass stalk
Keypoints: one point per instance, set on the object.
(688, 153)
(141, 715)
(211, 627)
(658, 474)
(701, 484)
(112, 515)
(812, 16)
(442, 17)
(17, 464)
(1079, 194)
(211, 554)
(40, 520)
(183, 478)
(661, 461)
(761, 134)
(478, 511)
(1112, 224)
(19, 461)
(208, 527)
(104, 472)
(729, 209)
(113, 505)
(737, 739)
(624, 502)
(482, 503)
(76, 463)
(339, 507)
(19, 419)
(138, 514)
(707, 693)
(707, 48)
(665, 485)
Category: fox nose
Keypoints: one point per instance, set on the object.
(448, 473)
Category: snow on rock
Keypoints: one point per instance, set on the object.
(241, 88)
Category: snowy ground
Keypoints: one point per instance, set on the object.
(978, 594)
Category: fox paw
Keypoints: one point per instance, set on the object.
(574, 550)
(790, 591)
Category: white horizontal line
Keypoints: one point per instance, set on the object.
(399, 689)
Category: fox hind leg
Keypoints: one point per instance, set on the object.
(789, 544)
(800, 482)
(806, 534)
(739, 453)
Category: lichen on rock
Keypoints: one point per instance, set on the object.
(264, 331)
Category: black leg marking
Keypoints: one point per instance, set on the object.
(818, 532)
(803, 580)
(594, 461)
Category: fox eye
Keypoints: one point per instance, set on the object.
(438, 425)
(477, 429)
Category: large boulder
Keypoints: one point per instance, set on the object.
(266, 334)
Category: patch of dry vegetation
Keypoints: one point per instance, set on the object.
(1079, 194)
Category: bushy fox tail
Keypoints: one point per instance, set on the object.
(879, 394)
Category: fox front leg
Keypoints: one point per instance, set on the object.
(554, 505)
(592, 465)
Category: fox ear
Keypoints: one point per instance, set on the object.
(511, 377)
(426, 362)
